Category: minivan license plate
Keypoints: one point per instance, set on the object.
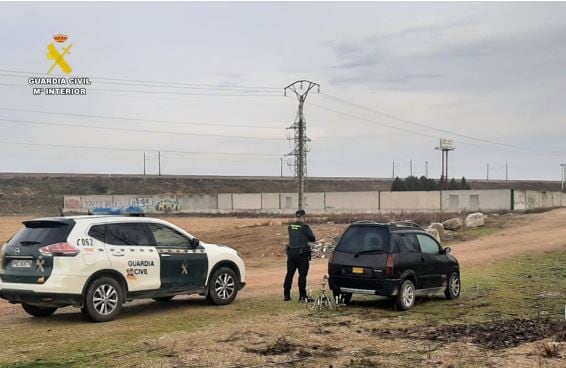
(357, 270)
(21, 263)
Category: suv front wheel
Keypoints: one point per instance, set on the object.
(406, 297)
(222, 287)
(454, 287)
(103, 300)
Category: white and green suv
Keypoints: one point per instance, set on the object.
(97, 263)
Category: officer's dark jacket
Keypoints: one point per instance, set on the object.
(300, 234)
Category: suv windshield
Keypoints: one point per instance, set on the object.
(366, 239)
(41, 233)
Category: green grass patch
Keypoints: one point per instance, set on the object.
(527, 286)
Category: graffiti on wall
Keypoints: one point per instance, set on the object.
(143, 202)
(167, 205)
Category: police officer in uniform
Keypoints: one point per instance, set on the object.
(298, 255)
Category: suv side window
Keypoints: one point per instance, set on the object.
(121, 234)
(428, 245)
(167, 237)
(98, 232)
(398, 245)
(410, 243)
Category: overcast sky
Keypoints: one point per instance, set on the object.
(419, 71)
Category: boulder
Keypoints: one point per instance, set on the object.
(475, 220)
(434, 233)
(439, 227)
(455, 223)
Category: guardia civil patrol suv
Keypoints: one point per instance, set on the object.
(97, 263)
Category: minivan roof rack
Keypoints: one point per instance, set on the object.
(407, 224)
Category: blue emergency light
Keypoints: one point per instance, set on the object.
(117, 211)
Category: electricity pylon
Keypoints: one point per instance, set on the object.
(301, 89)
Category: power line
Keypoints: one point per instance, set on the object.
(124, 93)
(139, 149)
(518, 150)
(137, 130)
(157, 83)
(414, 123)
(139, 119)
(148, 84)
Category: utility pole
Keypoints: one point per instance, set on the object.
(487, 172)
(281, 166)
(506, 172)
(301, 89)
(393, 169)
(144, 164)
(159, 163)
(563, 168)
(411, 166)
(426, 169)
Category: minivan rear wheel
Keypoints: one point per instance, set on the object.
(36, 311)
(103, 300)
(406, 297)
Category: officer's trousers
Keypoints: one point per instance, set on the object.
(297, 259)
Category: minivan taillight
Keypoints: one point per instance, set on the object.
(59, 249)
(389, 265)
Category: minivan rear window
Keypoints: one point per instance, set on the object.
(364, 239)
(41, 233)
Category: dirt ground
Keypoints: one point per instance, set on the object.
(260, 330)
(262, 242)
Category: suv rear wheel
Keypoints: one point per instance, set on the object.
(406, 297)
(38, 311)
(454, 287)
(222, 287)
(103, 299)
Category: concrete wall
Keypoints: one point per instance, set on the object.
(531, 199)
(410, 201)
(476, 200)
(248, 201)
(352, 201)
(270, 201)
(325, 203)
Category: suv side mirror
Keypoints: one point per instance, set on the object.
(446, 250)
(195, 242)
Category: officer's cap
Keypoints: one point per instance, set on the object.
(300, 213)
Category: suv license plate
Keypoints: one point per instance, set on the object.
(359, 270)
(21, 263)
